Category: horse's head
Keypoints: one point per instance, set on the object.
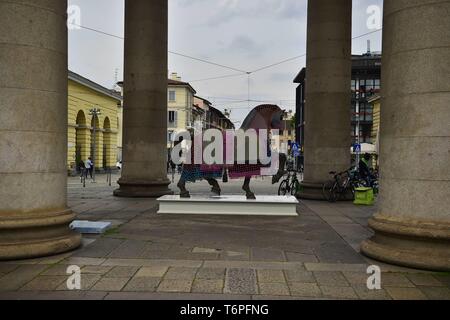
(277, 120)
(266, 116)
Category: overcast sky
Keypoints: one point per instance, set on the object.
(243, 34)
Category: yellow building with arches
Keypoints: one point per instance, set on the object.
(84, 95)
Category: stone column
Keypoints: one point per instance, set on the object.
(328, 93)
(34, 217)
(108, 156)
(412, 227)
(84, 140)
(72, 150)
(145, 100)
(99, 151)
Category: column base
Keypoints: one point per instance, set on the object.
(311, 191)
(314, 191)
(143, 189)
(415, 244)
(32, 235)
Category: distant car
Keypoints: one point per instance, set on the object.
(119, 165)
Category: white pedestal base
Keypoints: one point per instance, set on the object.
(229, 205)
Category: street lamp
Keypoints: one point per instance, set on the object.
(284, 134)
(94, 112)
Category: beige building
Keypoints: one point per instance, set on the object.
(84, 95)
(287, 134)
(216, 119)
(184, 110)
(180, 106)
(204, 105)
(119, 90)
(212, 117)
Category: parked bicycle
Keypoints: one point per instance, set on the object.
(341, 185)
(370, 182)
(290, 185)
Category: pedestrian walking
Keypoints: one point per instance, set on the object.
(82, 168)
(89, 166)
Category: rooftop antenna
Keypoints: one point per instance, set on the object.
(116, 76)
(248, 90)
(368, 46)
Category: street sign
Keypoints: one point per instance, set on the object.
(295, 150)
(357, 148)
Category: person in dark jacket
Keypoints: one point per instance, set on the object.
(364, 168)
(82, 168)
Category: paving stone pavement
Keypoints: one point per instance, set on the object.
(241, 281)
(148, 256)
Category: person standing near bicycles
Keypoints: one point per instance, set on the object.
(364, 169)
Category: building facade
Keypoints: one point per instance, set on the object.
(366, 80)
(300, 113)
(216, 119)
(185, 112)
(199, 117)
(119, 90)
(204, 105)
(180, 107)
(84, 95)
(365, 83)
(287, 134)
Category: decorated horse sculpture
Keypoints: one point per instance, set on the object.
(263, 118)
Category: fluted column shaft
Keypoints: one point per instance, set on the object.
(412, 227)
(34, 217)
(328, 93)
(145, 100)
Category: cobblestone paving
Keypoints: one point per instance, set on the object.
(146, 256)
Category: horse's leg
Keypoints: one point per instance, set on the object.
(182, 186)
(215, 186)
(246, 187)
(281, 169)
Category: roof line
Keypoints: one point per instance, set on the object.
(93, 85)
(172, 82)
(207, 101)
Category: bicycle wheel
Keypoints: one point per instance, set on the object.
(283, 189)
(328, 191)
(347, 189)
(295, 187)
(352, 188)
(335, 192)
(376, 188)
